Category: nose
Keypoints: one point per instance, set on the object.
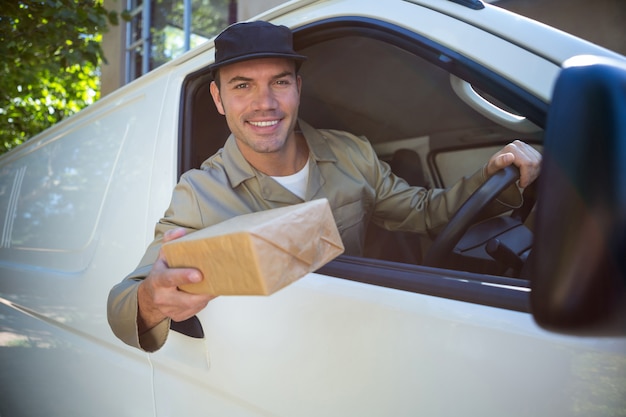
(264, 99)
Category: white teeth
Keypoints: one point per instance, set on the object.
(264, 124)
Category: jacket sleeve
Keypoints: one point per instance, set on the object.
(122, 304)
(122, 317)
(402, 207)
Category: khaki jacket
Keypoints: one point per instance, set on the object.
(344, 168)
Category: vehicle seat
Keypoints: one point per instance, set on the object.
(403, 247)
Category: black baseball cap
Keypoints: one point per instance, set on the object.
(251, 40)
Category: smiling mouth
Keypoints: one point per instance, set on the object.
(266, 123)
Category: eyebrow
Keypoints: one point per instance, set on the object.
(238, 79)
(284, 74)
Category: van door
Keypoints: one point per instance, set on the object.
(68, 198)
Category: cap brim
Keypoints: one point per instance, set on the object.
(295, 57)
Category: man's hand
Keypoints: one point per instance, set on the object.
(524, 156)
(158, 295)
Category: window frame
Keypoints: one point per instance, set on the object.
(489, 290)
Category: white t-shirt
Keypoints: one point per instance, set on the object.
(296, 183)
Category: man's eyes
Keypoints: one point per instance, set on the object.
(281, 82)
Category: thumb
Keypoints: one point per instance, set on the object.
(505, 160)
(174, 277)
(499, 162)
(188, 276)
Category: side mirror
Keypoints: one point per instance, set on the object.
(578, 264)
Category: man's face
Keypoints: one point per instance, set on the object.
(260, 100)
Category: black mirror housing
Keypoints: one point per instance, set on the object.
(578, 265)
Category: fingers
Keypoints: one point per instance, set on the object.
(174, 234)
(524, 156)
(159, 295)
(164, 276)
(190, 275)
(179, 305)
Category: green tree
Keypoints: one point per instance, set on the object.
(49, 70)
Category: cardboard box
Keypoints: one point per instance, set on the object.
(258, 253)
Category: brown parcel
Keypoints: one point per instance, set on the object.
(258, 253)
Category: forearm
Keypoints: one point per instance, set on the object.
(148, 315)
(124, 318)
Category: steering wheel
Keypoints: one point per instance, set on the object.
(468, 213)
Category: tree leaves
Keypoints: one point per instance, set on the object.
(51, 53)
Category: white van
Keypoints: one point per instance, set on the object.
(438, 326)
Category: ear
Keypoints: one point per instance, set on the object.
(217, 99)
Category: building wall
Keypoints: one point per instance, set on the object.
(114, 40)
(250, 8)
(112, 72)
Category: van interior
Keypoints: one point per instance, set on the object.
(370, 80)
